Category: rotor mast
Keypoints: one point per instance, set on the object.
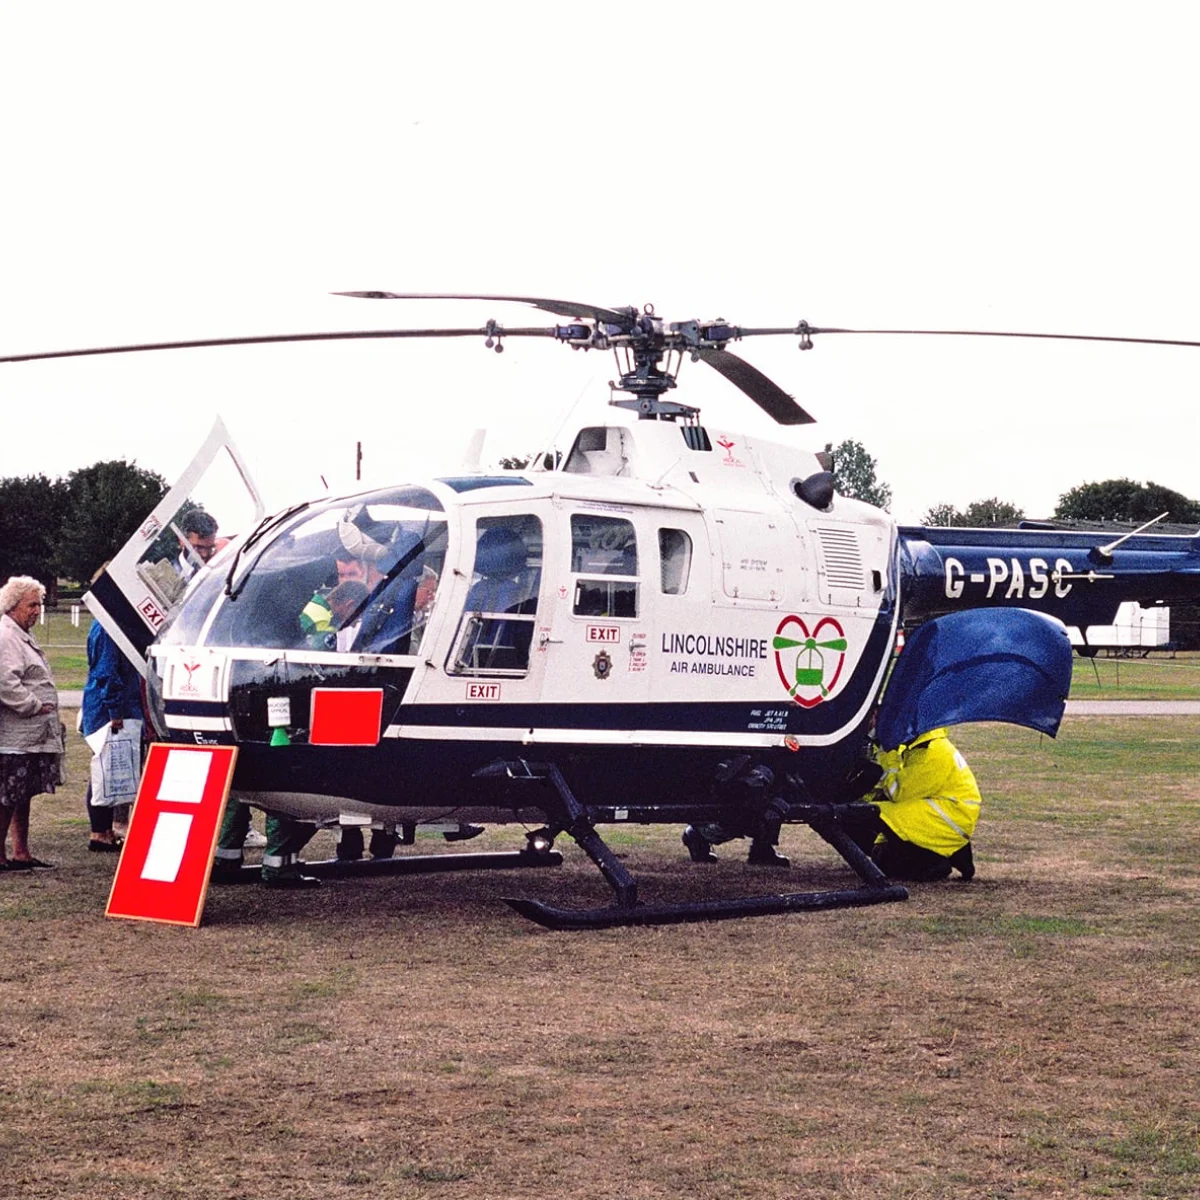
(649, 363)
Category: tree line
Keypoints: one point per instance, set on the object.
(1113, 500)
(68, 528)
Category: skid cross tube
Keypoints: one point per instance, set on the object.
(829, 821)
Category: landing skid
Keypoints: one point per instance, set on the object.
(412, 864)
(828, 820)
(702, 910)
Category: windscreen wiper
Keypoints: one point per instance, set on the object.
(255, 535)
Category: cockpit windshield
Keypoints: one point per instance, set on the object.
(357, 575)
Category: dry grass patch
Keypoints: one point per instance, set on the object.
(1031, 1034)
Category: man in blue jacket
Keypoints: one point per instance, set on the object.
(112, 702)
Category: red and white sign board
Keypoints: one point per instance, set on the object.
(168, 852)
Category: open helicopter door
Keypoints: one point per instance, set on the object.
(136, 593)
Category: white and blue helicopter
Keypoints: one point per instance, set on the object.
(665, 623)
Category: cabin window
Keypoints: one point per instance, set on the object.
(604, 554)
(675, 555)
(496, 631)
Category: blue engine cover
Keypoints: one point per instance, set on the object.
(999, 664)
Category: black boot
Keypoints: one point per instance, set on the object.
(290, 879)
(964, 860)
(383, 844)
(698, 846)
(463, 833)
(350, 843)
(763, 854)
(226, 870)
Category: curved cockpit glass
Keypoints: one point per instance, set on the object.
(356, 574)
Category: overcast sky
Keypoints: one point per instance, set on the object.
(180, 171)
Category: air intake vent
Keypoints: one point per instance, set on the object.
(843, 560)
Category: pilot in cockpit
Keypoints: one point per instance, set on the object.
(384, 594)
(400, 586)
(318, 620)
(344, 601)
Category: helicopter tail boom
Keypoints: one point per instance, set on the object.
(1078, 577)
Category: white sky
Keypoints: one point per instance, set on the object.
(180, 171)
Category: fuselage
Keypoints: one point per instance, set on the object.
(661, 602)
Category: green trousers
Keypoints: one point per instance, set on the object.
(286, 837)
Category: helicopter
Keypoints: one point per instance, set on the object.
(665, 623)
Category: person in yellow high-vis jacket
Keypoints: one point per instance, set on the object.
(928, 804)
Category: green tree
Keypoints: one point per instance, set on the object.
(854, 475)
(31, 514)
(1126, 500)
(942, 514)
(106, 503)
(518, 462)
(987, 514)
(979, 514)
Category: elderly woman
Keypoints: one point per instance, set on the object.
(30, 733)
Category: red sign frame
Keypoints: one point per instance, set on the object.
(167, 858)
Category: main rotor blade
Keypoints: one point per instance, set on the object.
(997, 333)
(343, 336)
(560, 308)
(767, 394)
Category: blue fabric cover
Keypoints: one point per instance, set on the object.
(999, 664)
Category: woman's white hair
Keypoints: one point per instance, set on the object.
(16, 589)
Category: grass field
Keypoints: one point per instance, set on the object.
(1031, 1034)
(65, 646)
(1158, 677)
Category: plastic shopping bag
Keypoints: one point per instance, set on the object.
(117, 767)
